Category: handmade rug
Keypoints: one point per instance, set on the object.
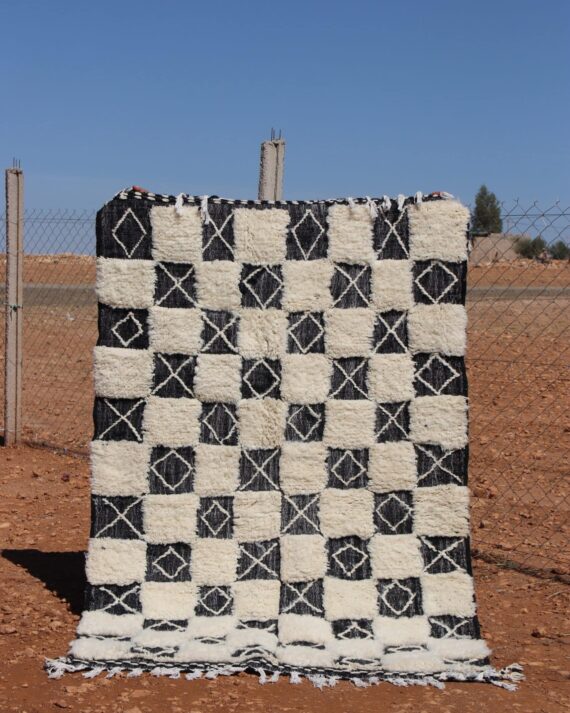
(279, 464)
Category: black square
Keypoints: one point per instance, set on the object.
(119, 517)
(218, 239)
(454, 627)
(437, 466)
(175, 285)
(445, 554)
(219, 332)
(123, 230)
(173, 376)
(259, 469)
(300, 514)
(168, 563)
(261, 286)
(268, 625)
(399, 597)
(261, 378)
(305, 422)
(166, 624)
(118, 419)
(391, 233)
(353, 629)
(302, 598)
(306, 333)
(350, 285)
(349, 378)
(259, 560)
(437, 282)
(171, 470)
(115, 599)
(439, 374)
(394, 512)
(214, 601)
(348, 558)
(392, 421)
(347, 468)
(390, 333)
(218, 424)
(307, 237)
(216, 517)
(122, 328)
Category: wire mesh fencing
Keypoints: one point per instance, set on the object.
(519, 342)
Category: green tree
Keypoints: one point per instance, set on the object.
(529, 247)
(560, 251)
(486, 217)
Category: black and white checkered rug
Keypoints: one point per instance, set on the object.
(279, 465)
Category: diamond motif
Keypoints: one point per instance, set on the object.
(436, 374)
(127, 329)
(436, 281)
(347, 468)
(214, 601)
(348, 558)
(261, 378)
(305, 422)
(128, 232)
(306, 239)
(306, 332)
(219, 424)
(399, 597)
(215, 517)
(261, 286)
(393, 512)
(168, 563)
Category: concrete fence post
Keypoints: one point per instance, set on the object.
(14, 301)
(271, 169)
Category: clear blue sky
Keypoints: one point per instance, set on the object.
(373, 97)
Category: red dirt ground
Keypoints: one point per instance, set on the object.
(44, 522)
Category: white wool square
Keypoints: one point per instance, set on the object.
(391, 377)
(442, 510)
(199, 626)
(170, 518)
(395, 556)
(100, 649)
(168, 600)
(205, 652)
(256, 599)
(218, 378)
(119, 467)
(217, 469)
(349, 424)
(350, 233)
(392, 466)
(257, 515)
(217, 285)
(438, 328)
(125, 283)
(401, 631)
(214, 561)
(414, 662)
(346, 599)
(450, 593)
(305, 656)
(392, 285)
(303, 627)
(440, 420)
(171, 422)
(122, 373)
(356, 648)
(303, 468)
(307, 285)
(176, 234)
(262, 333)
(438, 230)
(459, 648)
(305, 378)
(303, 558)
(349, 332)
(260, 235)
(346, 512)
(152, 637)
(101, 623)
(175, 330)
(261, 422)
(113, 561)
(241, 638)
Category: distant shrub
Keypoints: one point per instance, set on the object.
(529, 248)
(560, 251)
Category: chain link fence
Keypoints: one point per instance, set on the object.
(519, 343)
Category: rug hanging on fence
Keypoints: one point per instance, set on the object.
(279, 464)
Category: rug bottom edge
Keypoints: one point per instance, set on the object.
(506, 677)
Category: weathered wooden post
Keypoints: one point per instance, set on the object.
(271, 169)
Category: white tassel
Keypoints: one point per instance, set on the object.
(204, 210)
(295, 677)
(351, 203)
(179, 204)
(401, 201)
(262, 676)
(418, 197)
(386, 203)
(372, 207)
(93, 672)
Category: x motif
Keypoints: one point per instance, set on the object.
(120, 600)
(220, 333)
(435, 357)
(351, 283)
(218, 233)
(392, 419)
(208, 425)
(120, 516)
(307, 348)
(118, 225)
(444, 554)
(254, 561)
(300, 590)
(301, 513)
(349, 378)
(427, 270)
(259, 469)
(174, 375)
(307, 216)
(391, 330)
(122, 417)
(437, 463)
(392, 231)
(186, 475)
(129, 318)
(177, 284)
(278, 280)
(317, 416)
(452, 631)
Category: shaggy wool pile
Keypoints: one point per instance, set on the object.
(279, 464)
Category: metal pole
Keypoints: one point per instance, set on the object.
(271, 169)
(14, 299)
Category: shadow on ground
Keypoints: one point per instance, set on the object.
(63, 573)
